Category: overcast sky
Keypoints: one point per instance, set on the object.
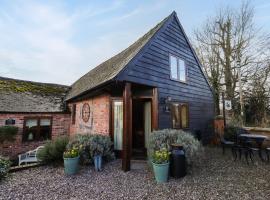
(59, 41)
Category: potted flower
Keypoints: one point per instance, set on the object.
(71, 160)
(160, 161)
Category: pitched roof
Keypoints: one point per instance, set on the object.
(109, 69)
(26, 96)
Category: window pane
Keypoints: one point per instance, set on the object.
(182, 70)
(45, 122)
(45, 129)
(175, 116)
(118, 125)
(184, 116)
(173, 63)
(31, 130)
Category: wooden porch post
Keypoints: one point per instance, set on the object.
(155, 109)
(127, 127)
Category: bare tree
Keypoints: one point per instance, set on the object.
(208, 55)
(224, 40)
(258, 87)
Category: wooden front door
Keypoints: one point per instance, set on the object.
(138, 136)
(141, 127)
(150, 110)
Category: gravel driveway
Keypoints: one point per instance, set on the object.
(217, 177)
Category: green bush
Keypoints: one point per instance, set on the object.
(100, 145)
(164, 138)
(4, 167)
(53, 151)
(230, 133)
(91, 145)
(235, 121)
(8, 133)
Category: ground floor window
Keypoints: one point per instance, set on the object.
(180, 115)
(37, 129)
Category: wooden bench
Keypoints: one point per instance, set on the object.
(30, 156)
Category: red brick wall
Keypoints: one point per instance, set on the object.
(60, 127)
(99, 116)
(219, 126)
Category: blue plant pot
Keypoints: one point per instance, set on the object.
(98, 162)
(161, 172)
(71, 165)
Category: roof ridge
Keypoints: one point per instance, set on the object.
(173, 13)
(125, 48)
(110, 68)
(33, 82)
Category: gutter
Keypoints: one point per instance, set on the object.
(90, 90)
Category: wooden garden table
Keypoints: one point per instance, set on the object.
(259, 139)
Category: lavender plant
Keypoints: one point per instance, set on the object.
(164, 138)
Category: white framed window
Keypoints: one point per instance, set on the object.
(178, 69)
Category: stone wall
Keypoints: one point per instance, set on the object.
(60, 127)
(99, 116)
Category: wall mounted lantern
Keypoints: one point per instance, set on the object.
(167, 104)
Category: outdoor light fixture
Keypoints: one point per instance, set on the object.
(169, 99)
(167, 104)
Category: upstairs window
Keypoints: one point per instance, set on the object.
(180, 115)
(178, 69)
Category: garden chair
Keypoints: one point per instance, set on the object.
(226, 143)
(245, 146)
(30, 156)
(267, 150)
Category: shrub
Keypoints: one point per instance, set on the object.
(4, 167)
(230, 133)
(93, 144)
(53, 151)
(235, 121)
(8, 133)
(100, 145)
(164, 138)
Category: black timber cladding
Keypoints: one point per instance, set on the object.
(151, 67)
(108, 70)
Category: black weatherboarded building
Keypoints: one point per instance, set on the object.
(156, 83)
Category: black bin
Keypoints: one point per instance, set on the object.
(177, 161)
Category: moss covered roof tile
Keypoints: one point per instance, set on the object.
(27, 96)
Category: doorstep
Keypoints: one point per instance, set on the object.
(139, 165)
